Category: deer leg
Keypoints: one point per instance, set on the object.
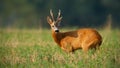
(85, 49)
(67, 48)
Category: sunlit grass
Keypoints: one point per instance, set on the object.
(35, 48)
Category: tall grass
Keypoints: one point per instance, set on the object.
(31, 48)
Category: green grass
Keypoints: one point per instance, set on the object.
(36, 49)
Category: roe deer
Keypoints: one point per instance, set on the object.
(84, 38)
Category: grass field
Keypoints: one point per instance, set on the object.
(31, 48)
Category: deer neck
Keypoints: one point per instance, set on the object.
(56, 37)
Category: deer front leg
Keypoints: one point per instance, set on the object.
(67, 48)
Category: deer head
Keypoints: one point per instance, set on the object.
(54, 23)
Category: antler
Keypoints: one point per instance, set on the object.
(51, 13)
(58, 17)
(59, 14)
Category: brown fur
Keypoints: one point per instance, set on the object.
(83, 38)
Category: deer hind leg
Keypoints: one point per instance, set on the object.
(92, 45)
(87, 46)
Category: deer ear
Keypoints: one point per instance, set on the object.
(49, 20)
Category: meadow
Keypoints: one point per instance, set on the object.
(35, 48)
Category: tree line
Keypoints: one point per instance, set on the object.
(78, 13)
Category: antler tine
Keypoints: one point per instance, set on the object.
(58, 18)
(59, 14)
(51, 13)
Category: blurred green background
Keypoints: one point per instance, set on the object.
(76, 13)
(26, 41)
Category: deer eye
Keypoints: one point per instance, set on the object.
(52, 26)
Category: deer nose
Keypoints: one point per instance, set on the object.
(56, 30)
